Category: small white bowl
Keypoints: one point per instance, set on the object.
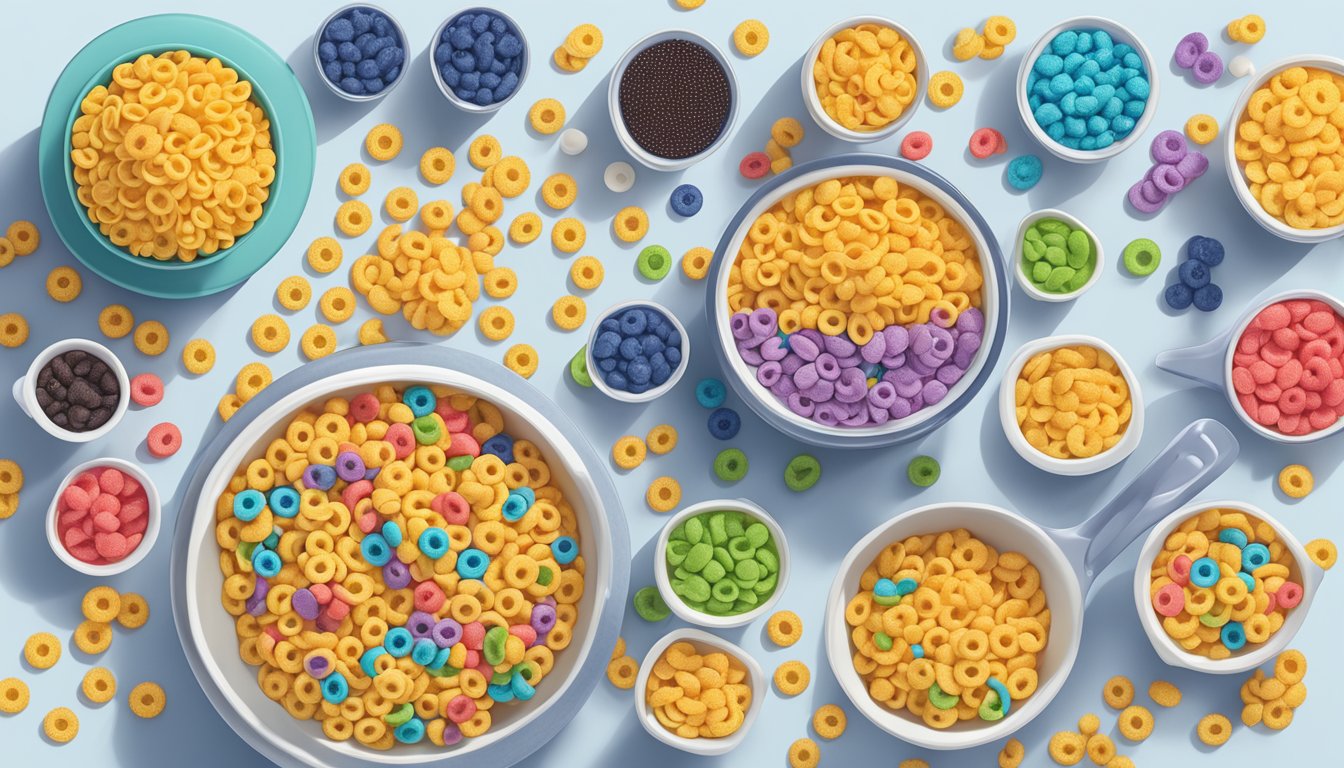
(1118, 32)
(704, 643)
(471, 106)
(1234, 166)
(1070, 467)
(664, 581)
(146, 542)
(1249, 657)
(25, 389)
(362, 97)
(650, 394)
(1020, 271)
(813, 102)
(614, 101)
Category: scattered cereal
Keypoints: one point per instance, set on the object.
(1067, 748)
(1296, 481)
(147, 700)
(623, 671)
(1136, 722)
(547, 116)
(484, 151)
(1164, 694)
(559, 191)
(1247, 29)
(568, 235)
(437, 165)
(1012, 754)
(294, 292)
(353, 218)
(318, 341)
(1118, 692)
(496, 323)
(164, 440)
(324, 255)
(784, 628)
(802, 472)
(115, 321)
(93, 637)
(1322, 552)
(60, 725)
(792, 677)
(101, 604)
(663, 438)
(1214, 729)
(13, 329)
(803, 753)
(337, 304)
(13, 696)
(829, 721)
(664, 494)
(586, 273)
(401, 205)
(151, 338)
(628, 452)
(64, 284)
(383, 142)
(198, 357)
(42, 650)
(1202, 129)
(500, 283)
(945, 89)
(521, 359)
(695, 262)
(630, 224)
(355, 179)
(371, 332)
(270, 333)
(134, 611)
(525, 228)
(751, 37)
(649, 604)
(99, 685)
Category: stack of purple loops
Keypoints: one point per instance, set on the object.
(1175, 165)
(833, 381)
(1193, 53)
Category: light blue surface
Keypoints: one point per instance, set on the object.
(857, 490)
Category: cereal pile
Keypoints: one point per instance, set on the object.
(1057, 257)
(699, 695)
(399, 565)
(722, 563)
(1272, 699)
(581, 44)
(948, 628)
(1223, 581)
(1072, 402)
(866, 77)
(1287, 369)
(1087, 91)
(173, 158)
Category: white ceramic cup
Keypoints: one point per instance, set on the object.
(1019, 267)
(663, 579)
(704, 643)
(146, 542)
(387, 88)
(471, 106)
(1072, 467)
(25, 389)
(653, 392)
(813, 102)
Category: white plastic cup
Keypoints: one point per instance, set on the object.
(652, 393)
(146, 542)
(25, 389)
(813, 102)
(1019, 268)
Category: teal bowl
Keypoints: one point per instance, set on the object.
(275, 89)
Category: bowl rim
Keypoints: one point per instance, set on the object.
(710, 621)
(703, 747)
(1069, 467)
(813, 102)
(1020, 273)
(652, 393)
(151, 535)
(623, 136)
(447, 92)
(1235, 174)
(1115, 29)
(317, 60)
(995, 309)
(1243, 661)
(28, 384)
(359, 367)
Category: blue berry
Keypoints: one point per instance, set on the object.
(631, 348)
(633, 322)
(508, 82)
(617, 380)
(640, 372)
(499, 66)
(389, 58)
(672, 355)
(382, 26)
(471, 80)
(1179, 296)
(607, 364)
(464, 61)
(499, 26)
(509, 45)
(724, 423)
(451, 77)
(362, 21)
(347, 69)
(374, 85)
(352, 85)
(392, 74)
(1205, 249)
(366, 69)
(481, 23)
(1195, 274)
(673, 339)
(466, 94)
(348, 51)
(326, 52)
(686, 200)
(485, 97)
(460, 38)
(332, 70)
(609, 324)
(340, 30)
(606, 344)
(1208, 298)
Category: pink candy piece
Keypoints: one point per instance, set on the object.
(75, 497)
(105, 503)
(164, 440)
(101, 517)
(463, 444)
(1289, 595)
(1179, 569)
(111, 480)
(337, 609)
(106, 522)
(111, 545)
(146, 390)
(460, 708)
(364, 407)
(453, 507)
(402, 439)
(524, 632)
(322, 592)
(429, 597)
(1169, 600)
(473, 635)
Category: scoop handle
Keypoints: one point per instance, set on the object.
(17, 390)
(1202, 363)
(1190, 462)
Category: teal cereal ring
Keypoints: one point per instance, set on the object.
(730, 465)
(802, 473)
(923, 471)
(1142, 257)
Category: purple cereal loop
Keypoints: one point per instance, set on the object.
(451, 733)
(1168, 179)
(1151, 194)
(839, 346)
(971, 321)
(1208, 68)
(791, 364)
(543, 618)
(784, 387)
(878, 416)
(852, 386)
(1189, 48)
(317, 665)
(548, 600)
(255, 605)
(806, 376)
(850, 361)
(827, 414)
(827, 367)
(1169, 147)
(751, 343)
(963, 356)
(920, 368)
(304, 603)
(769, 373)
(882, 395)
(1136, 199)
(804, 347)
(898, 339)
(801, 404)
(942, 343)
(764, 322)
(750, 356)
(396, 575)
(859, 419)
(895, 361)
(906, 381)
(420, 624)
(931, 361)
(950, 374)
(446, 633)
(740, 325)
(349, 466)
(773, 348)
(875, 349)
(920, 339)
(820, 392)
(917, 402)
(1192, 166)
(901, 408)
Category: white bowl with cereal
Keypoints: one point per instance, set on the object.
(908, 102)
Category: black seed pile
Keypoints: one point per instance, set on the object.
(78, 391)
(674, 99)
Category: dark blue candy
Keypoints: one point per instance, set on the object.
(639, 389)
(381, 25)
(622, 365)
(361, 21)
(607, 364)
(650, 344)
(471, 80)
(500, 445)
(1206, 250)
(332, 70)
(640, 372)
(617, 380)
(443, 55)
(490, 80)
(1179, 296)
(654, 319)
(631, 348)
(461, 38)
(633, 322)
(352, 85)
(508, 45)
(481, 23)
(465, 94)
(606, 344)
(392, 74)
(366, 69)
(464, 61)
(1194, 273)
(485, 97)
(609, 324)
(326, 52)
(673, 338)
(499, 26)
(507, 84)
(374, 84)
(686, 200)
(389, 58)
(340, 30)
(347, 69)
(348, 51)
(499, 66)
(362, 41)
(661, 371)
(378, 44)
(1208, 298)
(673, 356)
(724, 423)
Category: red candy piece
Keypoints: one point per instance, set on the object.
(916, 145)
(755, 165)
(453, 507)
(473, 634)
(321, 592)
(1289, 595)
(146, 390)
(364, 407)
(402, 439)
(524, 632)
(89, 482)
(76, 498)
(429, 597)
(164, 439)
(129, 486)
(986, 142)
(453, 419)
(463, 444)
(111, 545)
(106, 522)
(111, 480)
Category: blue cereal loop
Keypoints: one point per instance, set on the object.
(724, 423)
(1247, 579)
(906, 586)
(1233, 536)
(1024, 171)
(266, 563)
(398, 642)
(283, 501)
(424, 651)
(420, 400)
(411, 731)
(273, 541)
(375, 550)
(1204, 571)
(472, 563)
(564, 549)
(998, 687)
(248, 504)
(335, 689)
(1253, 556)
(500, 445)
(1232, 635)
(433, 543)
(710, 393)
(522, 690)
(392, 533)
(515, 506)
(369, 658)
(686, 200)
(500, 693)
(885, 588)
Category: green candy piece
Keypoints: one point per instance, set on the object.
(1056, 255)
(768, 559)
(741, 606)
(766, 586)
(991, 708)
(1040, 271)
(714, 571)
(501, 678)
(444, 671)
(748, 596)
(724, 558)
(923, 471)
(1078, 243)
(680, 573)
(654, 262)
(459, 463)
(493, 647)
(1053, 227)
(882, 640)
(544, 576)
(695, 530)
(1033, 251)
(400, 714)
(717, 607)
(1142, 257)
(427, 429)
(1058, 280)
(886, 600)
(802, 473)
(748, 570)
(718, 528)
(734, 524)
(1079, 260)
(696, 588)
(676, 552)
(1033, 235)
(650, 605)
(942, 700)
(741, 548)
(1081, 277)
(697, 557)
(578, 368)
(730, 465)
(757, 534)
(724, 591)
(695, 606)
(678, 533)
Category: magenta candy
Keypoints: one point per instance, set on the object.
(1169, 147)
(1192, 166)
(1168, 179)
(1208, 68)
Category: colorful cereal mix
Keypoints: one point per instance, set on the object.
(1013, 753)
(13, 329)
(792, 677)
(1087, 91)
(353, 218)
(383, 142)
(1164, 694)
(1119, 692)
(1142, 257)
(1201, 129)
(722, 563)
(916, 145)
(146, 390)
(1248, 29)
(886, 66)
(521, 359)
(662, 439)
(623, 671)
(1072, 402)
(751, 37)
(945, 89)
(923, 471)
(164, 440)
(64, 284)
(270, 333)
(712, 684)
(1057, 257)
(115, 321)
(802, 472)
(93, 637)
(664, 494)
(98, 685)
(547, 116)
(14, 696)
(829, 721)
(1285, 367)
(1214, 729)
(355, 179)
(337, 304)
(147, 700)
(134, 612)
(198, 357)
(731, 465)
(784, 628)
(42, 650)
(151, 338)
(1295, 481)
(803, 753)
(60, 725)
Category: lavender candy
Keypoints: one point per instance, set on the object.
(304, 603)
(802, 405)
(839, 346)
(906, 382)
(875, 349)
(543, 618)
(1151, 193)
(1168, 179)
(859, 419)
(1169, 147)
(396, 575)
(878, 416)
(920, 368)
(740, 325)
(934, 392)
(784, 387)
(828, 414)
(1208, 68)
(1141, 203)
(256, 603)
(1189, 49)
(950, 373)
(806, 376)
(350, 467)
(791, 364)
(827, 366)
(967, 345)
(921, 339)
(882, 395)
(773, 348)
(319, 476)
(1192, 166)
(763, 323)
(804, 346)
(769, 373)
(971, 321)
(820, 392)
(896, 361)
(446, 633)
(942, 343)
(749, 356)
(852, 386)
(420, 624)
(898, 339)
(901, 408)
(451, 733)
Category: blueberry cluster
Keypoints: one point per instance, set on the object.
(480, 57)
(1195, 280)
(637, 349)
(361, 52)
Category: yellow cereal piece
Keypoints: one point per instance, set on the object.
(628, 452)
(699, 695)
(521, 359)
(569, 312)
(619, 650)
(93, 637)
(1277, 715)
(11, 476)
(511, 176)
(101, 604)
(353, 218)
(13, 696)
(566, 63)
(568, 235)
(6, 252)
(60, 725)
(229, 405)
(1202, 128)
(437, 215)
(586, 273)
(42, 650)
(1164, 694)
(967, 44)
(695, 262)
(151, 338)
(547, 116)
(781, 164)
(1120, 761)
(487, 205)
(1100, 748)
(559, 191)
(1067, 748)
(294, 292)
(1296, 481)
(1214, 729)
(990, 52)
(751, 37)
(631, 224)
(270, 333)
(792, 677)
(99, 685)
(803, 753)
(483, 152)
(147, 700)
(1072, 402)
(525, 228)
(623, 671)
(371, 332)
(583, 42)
(24, 236)
(1136, 722)
(500, 283)
(251, 379)
(1000, 30)
(355, 179)
(134, 611)
(829, 721)
(885, 67)
(337, 304)
(401, 204)
(496, 323)
(784, 628)
(64, 284)
(787, 132)
(1088, 724)
(324, 255)
(1012, 754)
(9, 504)
(198, 357)
(662, 439)
(383, 142)
(1118, 692)
(664, 494)
(1322, 552)
(1248, 29)
(13, 329)
(690, 4)
(115, 321)
(945, 89)
(437, 165)
(318, 341)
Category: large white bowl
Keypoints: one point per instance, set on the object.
(813, 102)
(1234, 171)
(207, 631)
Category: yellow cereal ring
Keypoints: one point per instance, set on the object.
(751, 37)
(337, 304)
(1012, 754)
(990, 52)
(9, 504)
(787, 132)
(115, 321)
(147, 700)
(134, 611)
(967, 44)
(99, 685)
(353, 218)
(371, 332)
(695, 262)
(64, 284)
(6, 252)
(525, 228)
(619, 650)
(251, 379)
(803, 753)
(101, 604)
(586, 273)
(11, 476)
(1088, 724)
(483, 152)
(664, 494)
(1296, 481)
(631, 224)
(584, 42)
(24, 236)
(1165, 694)
(60, 725)
(1136, 722)
(1247, 29)
(511, 176)
(792, 677)
(945, 89)
(14, 696)
(547, 116)
(1202, 129)
(690, 4)
(270, 333)
(1118, 692)
(1067, 748)
(294, 292)
(401, 204)
(569, 312)
(628, 452)
(622, 672)
(1214, 729)
(829, 721)
(151, 338)
(500, 283)
(198, 357)
(521, 359)
(1000, 30)
(1100, 748)
(568, 235)
(437, 165)
(566, 63)
(324, 255)
(42, 650)
(93, 637)
(662, 439)
(496, 323)
(436, 215)
(318, 341)
(559, 191)
(229, 405)
(1322, 552)
(355, 179)
(383, 142)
